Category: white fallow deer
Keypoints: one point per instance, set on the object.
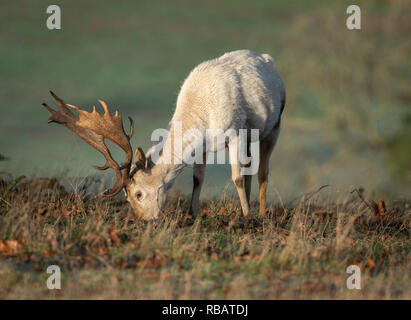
(239, 90)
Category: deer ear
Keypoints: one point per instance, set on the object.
(140, 159)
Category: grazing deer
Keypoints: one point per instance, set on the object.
(239, 90)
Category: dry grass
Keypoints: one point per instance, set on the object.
(299, 251)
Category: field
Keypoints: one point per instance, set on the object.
(295, 252)
(340, 177)
(347, 114)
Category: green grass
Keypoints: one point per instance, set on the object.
(297, 251)
(348, 91)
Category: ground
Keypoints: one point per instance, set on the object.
(298, 251)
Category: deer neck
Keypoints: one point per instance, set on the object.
(171, 163)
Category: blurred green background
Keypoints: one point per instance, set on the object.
(347, 120)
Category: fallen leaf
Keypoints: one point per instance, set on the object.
(41, 211)
(165, 275)
(13, 246)
(9, 247)
(371, 263)
(2, 246)
(47, 253)
(206, 213)
(101, 250)
(154, 262)
(67, 246)
(267, 276)
(357, 263)
(113, 235)
(66, 212)
(374, 206)
(222, 211)
(387, 252)
(379, 209)
(151, 274)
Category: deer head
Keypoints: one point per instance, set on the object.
(141, 182)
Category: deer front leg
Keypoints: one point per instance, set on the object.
(238, 179)
(198, 178)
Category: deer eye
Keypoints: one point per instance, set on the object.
(139, 195)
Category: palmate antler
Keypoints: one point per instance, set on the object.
(93, 128)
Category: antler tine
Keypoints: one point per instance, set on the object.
(125, 164)
(109, 126)
(104, 105)
(131, 127)
(93, 128)
(60, 102)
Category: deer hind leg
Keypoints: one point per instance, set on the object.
(198, 178)
(238, 179)
(266, 148)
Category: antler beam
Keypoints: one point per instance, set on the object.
(93, 128)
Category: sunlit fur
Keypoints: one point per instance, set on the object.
(239, 90)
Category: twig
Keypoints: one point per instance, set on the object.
(9, 204)
(310, 194)
(362, 198)
(319, 189)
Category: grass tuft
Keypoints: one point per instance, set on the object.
(299, 251)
